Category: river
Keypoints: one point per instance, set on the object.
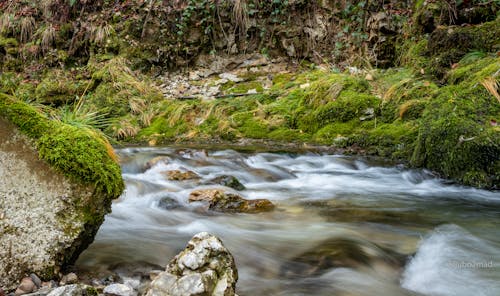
(343, 225)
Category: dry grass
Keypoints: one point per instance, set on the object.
(48, 36)
(27, 27)
(137, 105)
(99, 34)
(240, 16)
(392, 91)
(6, 22)
(125, 129)
(146, 117)
(177, 113)
(492, 85)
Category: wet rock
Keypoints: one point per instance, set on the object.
(70, 278)
(27, 286)
(36, 280)
(177, 175)
(228, 181)
(341, 211)
(168, 203)
(221, 201)
(205, 267)
(119, 290)
(74, 290)
(341, 252)
(159, 159)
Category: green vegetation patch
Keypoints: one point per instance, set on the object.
(81, 154)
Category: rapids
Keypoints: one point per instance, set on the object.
(343, 225)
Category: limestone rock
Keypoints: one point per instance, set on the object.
(70, 278)
(177, 175)
(228, 181)
(119, 290)
(74, 290)
(205, 267)
(27, 286)
(48, 217)
(221, 201)
(159, 159)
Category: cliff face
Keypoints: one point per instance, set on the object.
(48, 214)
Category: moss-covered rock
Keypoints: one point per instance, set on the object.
(58, 183)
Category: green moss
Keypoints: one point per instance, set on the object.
(58, 88)
(9, 45)
(80, 154)
(242, 87)
(119, 90)
(448, 45)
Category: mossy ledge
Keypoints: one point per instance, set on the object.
(80, 154)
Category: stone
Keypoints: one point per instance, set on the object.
(205, 267)
(70, 278)
(221, 201)
(228, 181)
(74, 290)
(119, 290)
(27, 286)
(230, 77)
(47, 222)
(177, 175)
(36, 280)
(168, 203)
(155, 161)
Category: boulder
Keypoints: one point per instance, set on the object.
(221, 201)
(228, 181)
(58, 182)
(205, 267)
(177, 175)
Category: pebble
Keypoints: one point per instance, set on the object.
(36, 280)
(27, 286)
(118, 290)
(70, 278)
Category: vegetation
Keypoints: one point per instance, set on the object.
(436, 107)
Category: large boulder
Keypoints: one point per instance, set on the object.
(57, 183)
(205, 267)
(222, 201)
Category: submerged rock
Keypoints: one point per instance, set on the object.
(157, 160)
(341, 252)
(228, 181)
(221, 201)
(56, 186)
(177, 175)
(205, 267)
(168, 203)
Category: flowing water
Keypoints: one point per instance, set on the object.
(343, 225)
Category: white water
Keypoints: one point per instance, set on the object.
(405, 211)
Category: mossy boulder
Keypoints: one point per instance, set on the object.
(221, 201)
(58, 182)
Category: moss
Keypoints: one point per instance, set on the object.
(79, 154)
(242, 87)
(334, 131)
(8, 45)
(447, 46)
(59, 88)
(119, 91)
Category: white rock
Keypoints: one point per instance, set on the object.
(119, 290)
(230, 77)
